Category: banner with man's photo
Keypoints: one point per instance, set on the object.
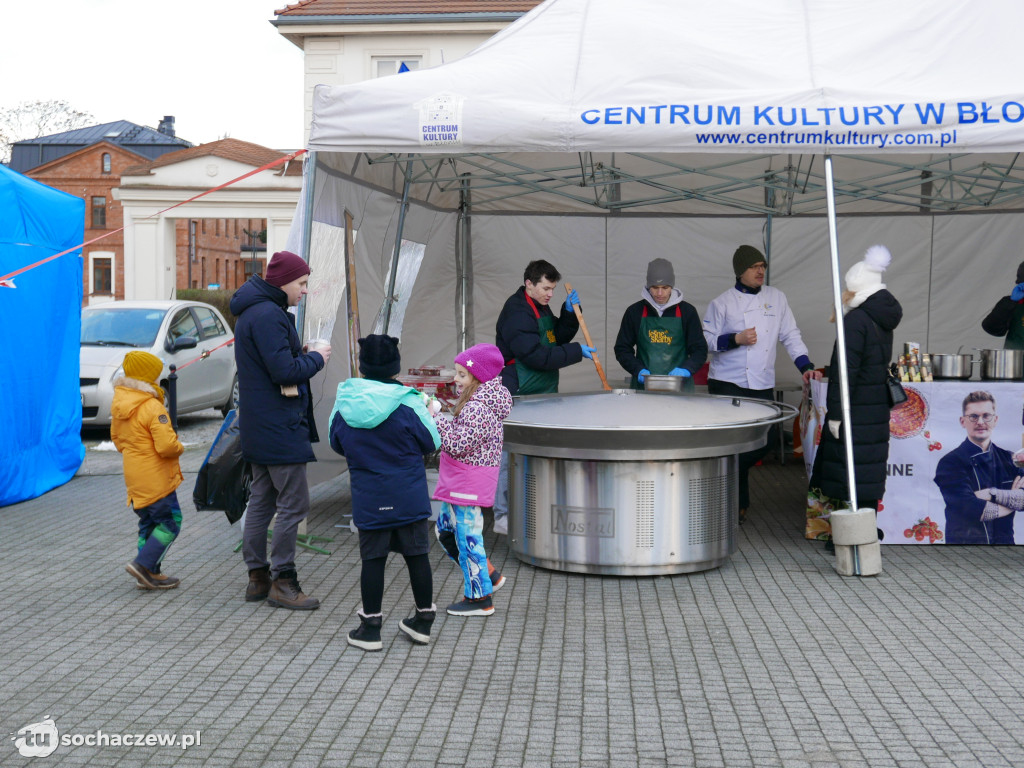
(951, 472)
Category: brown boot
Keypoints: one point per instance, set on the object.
(285, 592)
(259, 585)
(149, 580)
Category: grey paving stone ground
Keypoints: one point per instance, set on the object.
(770, 660)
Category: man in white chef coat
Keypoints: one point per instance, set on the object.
(743, 327)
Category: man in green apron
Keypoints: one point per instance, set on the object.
(536, 345)
(1007, 317)
(661, 334)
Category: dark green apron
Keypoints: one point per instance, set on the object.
(533, 382)
(1015, 336)
(662, 346)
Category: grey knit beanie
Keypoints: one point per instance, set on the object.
(660, 272)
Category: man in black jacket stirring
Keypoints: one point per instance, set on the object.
(535, 345)
(276, 425)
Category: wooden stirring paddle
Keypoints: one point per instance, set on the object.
(586, 336)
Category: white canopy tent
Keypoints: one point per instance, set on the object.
(600, 134)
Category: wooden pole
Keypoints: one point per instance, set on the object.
(586, 335)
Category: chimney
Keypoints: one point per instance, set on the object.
(167, 126)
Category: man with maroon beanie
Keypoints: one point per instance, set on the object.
(276, 425)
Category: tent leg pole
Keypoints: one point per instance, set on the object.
(844, 378)
(465, 269)
(389, 297)
(309, 184)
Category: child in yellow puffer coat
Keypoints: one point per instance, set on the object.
(142, 432)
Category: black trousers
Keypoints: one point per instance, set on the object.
(750, 458)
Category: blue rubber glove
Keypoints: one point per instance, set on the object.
(572, 298)
(680, 372)
(1018, 292)
(588, 352)
(640, 376)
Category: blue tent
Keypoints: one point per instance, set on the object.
(40, 318)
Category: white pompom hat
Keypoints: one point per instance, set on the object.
(865, 277)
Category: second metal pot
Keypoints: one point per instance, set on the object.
(952, 366)
(1002, 364)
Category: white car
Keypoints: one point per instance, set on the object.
(188, 334)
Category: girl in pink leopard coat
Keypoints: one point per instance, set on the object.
(470, 457)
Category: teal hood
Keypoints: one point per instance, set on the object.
(365, 403)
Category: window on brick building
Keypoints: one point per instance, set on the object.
(106, 162)
(102, 277)
(99, 213)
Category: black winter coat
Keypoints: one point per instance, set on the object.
(868, 330)
(274, 429)
(517, 338)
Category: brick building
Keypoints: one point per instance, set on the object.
(89, 163)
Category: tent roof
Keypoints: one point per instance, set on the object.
(686, 106)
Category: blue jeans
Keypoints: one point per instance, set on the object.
(467, 524)
(159, 526)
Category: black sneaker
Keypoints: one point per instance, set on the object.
(481, 606)
(418, 627)
(367, 636)
(497, 580)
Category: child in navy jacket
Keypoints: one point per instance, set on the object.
(384, 431)
(470, 457)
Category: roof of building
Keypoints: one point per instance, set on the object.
(76, 152)
(143, 140)
(120, 132)
(228, 149)
(405, 7)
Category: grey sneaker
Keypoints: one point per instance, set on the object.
(481, 606)
(497, 580)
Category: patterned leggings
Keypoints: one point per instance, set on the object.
(466, 525)
(159, 526)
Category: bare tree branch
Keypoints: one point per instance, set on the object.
(32, 119)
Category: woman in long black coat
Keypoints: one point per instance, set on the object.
(871, 314)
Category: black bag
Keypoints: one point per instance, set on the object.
(894, 389)
(224, 479)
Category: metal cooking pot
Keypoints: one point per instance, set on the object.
(952, 366)
(656, 383)
(1002, 364)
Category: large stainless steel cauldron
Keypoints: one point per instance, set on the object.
(629, 482)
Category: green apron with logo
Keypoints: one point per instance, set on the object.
(662, 346)
(1015, 336)
(533, 382)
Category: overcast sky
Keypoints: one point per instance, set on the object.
(219, 66)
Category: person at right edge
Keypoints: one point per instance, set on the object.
(742, 327)
(535, 345)
(870, 314)
(661, 334)
(1007, 316)
(276, 425)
